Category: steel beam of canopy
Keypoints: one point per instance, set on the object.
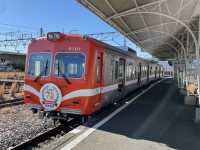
(168, 44)
(157, 25)
(89, 5)
(136, 8)
(146, 5)
(119, 14)
(169, 17)
(173, 37)
(108, 3)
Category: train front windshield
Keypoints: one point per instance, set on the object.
(70, 65)
(39, 64)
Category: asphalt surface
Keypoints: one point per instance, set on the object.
(157, 120)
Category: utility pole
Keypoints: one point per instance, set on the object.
(41, 32)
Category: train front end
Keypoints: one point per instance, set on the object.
(56, 68)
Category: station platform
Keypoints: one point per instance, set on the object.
(155, 119)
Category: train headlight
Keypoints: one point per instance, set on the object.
(54, 36)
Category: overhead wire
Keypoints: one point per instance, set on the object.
(19, 26)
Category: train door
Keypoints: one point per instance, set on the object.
(99, 73)
(139, 73)
(122, 63)
(159, 71)
(156, 69)
(148, 70)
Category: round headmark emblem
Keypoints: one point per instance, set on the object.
(51, 96)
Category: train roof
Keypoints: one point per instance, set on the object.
(127, 51)
(110, 47)
(123, 50)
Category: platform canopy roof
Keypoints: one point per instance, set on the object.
(160, 27)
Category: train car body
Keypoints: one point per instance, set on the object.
(70, 75)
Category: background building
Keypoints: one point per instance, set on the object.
(12, 61)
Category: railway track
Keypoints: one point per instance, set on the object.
(12, 102)
(42, 139)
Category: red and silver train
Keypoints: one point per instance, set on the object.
(73, 75)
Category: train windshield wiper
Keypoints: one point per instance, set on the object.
(62, 74)
(42, 72)
(66, 79)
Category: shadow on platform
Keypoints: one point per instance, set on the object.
(158, 116)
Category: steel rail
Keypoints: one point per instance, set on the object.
(13, 102)
(48, 135)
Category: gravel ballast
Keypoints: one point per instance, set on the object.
(18, 124)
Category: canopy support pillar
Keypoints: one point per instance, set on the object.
(197, 111)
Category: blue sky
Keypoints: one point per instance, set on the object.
(52, 15)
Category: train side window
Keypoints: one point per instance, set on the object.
(156, 71)
(142, 71)
(135, 77)
(120, 71)
(137, 70)
(145, 72)
(112, 67)
(129, 71)
(132, 72)
(116, 69)
(150, 70)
